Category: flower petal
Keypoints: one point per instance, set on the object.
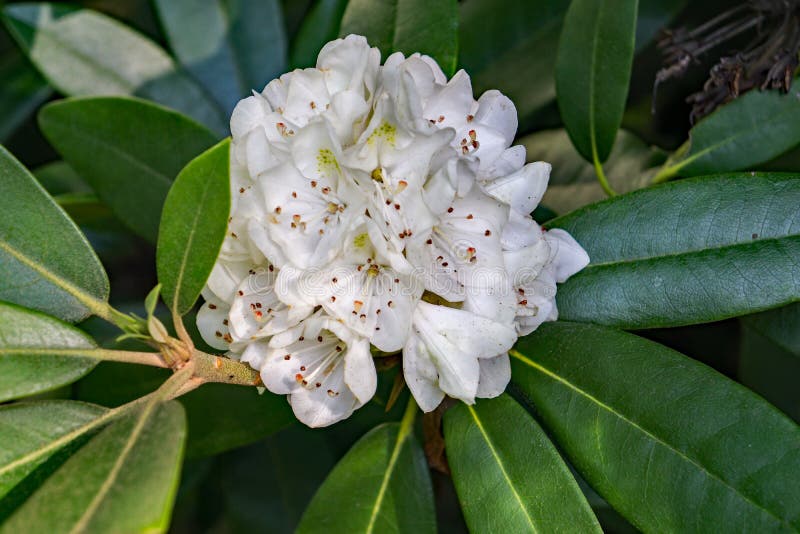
(212, 322)
(495, 374)
(421, 375)
(524, 189)
(320, 407)
(569, 256)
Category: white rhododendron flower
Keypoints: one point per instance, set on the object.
(380, 208)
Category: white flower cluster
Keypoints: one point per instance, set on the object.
(380, 206)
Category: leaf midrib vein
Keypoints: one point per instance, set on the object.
(402, 433)
(89, 301)
(189, 244)
(688, 252)
(500, 464)
(91, 510)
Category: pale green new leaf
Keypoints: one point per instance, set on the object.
(750, 130)
(193, 226)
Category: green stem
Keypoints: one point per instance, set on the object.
(125, 356)
(665, 174)
(407, 422)
(211, 368)
(601, 177)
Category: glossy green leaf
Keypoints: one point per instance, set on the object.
(319, 26)
(497, 36)
(508, 475)
(407, 26)
(127, 149)
(38, 353)
(45, 262)
(22, 91)
(32, 433)
(84, 53)
(193, 226)
(593, 68)
(573, 183)
(750, 130)
(231, 46)
(123, 480)
(381, 485)
(213, 428)
(673, 445)
(692, 251)
(267, 485)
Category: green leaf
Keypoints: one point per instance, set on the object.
(39, 353)
(123, 480)
(22, 91)
(266, 486)
(673, 445)
(573, 183)
(692, 251)
(781, 326)
(59, 178)
(127, 149)
(86, 210)
(381, 485)
(508, 475)
(319, 26)
(223, 417)
(32, 433)
(497, 36)
(407, 26)
(593, 68)
(231, 46)
(84, 53)
(193, 225)
(45, 261)
(750, 130)
(765, 363)
(151, 300)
